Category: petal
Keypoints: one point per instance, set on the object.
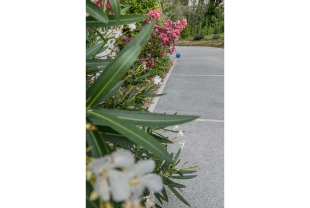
(122, 158)
(119, 185)
(152, 181)
(145, 166)
(137, 192)
(102, 187)
(99, 164)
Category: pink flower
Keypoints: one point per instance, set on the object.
(137, 88)
(102, 3)
(149, 61)
(154, 14)
(161, 54)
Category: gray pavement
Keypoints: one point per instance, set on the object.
(196, 87)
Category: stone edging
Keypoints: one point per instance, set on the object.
(161, 89)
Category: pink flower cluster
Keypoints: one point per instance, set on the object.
(127, 40)
(153, 14)
(169, 32)
(161, 54)
(149, 61)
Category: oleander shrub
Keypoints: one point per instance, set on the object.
(127, 162)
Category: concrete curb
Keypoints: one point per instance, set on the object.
(161, 89)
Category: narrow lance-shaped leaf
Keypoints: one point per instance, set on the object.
(98, 62)
(92, 50)
(177, 194)
(183, 177)
(116, 7)
(94, 139)
(149, 119)
(133, 133)
(111, 135)
(93, 10)
(110, 76)
(125, 9)
(124, 20)
(116, 69)
(112, 91)
(176, 156)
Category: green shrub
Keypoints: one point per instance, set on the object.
(186, 32)
(140, 6)
(198, 36)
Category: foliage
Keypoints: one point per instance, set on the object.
(115, 117)
(198, 36)
(140, 6)
(173, 9)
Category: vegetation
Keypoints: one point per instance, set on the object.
(127, 162)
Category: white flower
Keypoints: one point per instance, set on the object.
(157, 79)
(132, 26)
(103, 168)
(180, 133)
(182, 144)
(118, 32)
(149, 202)
(175, 127)
(134, 180)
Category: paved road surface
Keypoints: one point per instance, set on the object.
(196, 87)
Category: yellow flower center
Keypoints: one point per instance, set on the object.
(134, 181)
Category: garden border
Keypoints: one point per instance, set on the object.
(161, 89)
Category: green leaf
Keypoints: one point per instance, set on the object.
(125, 9)
(159, 197)
(157, 206)
(93, 10)
(92, 50)
(116, 7)
(156, 95)
(110, 76)
(133, 133)
(163, 191)
(98, 62)
(143, 76)
(94, 139)
(183, 177)
(112, 91)
(131, 94)
(87, 38)
(110, 135)
(177, 194)
(89, 203)
(187, 171)
(176, 157)
(92, 71)
(124, 20)
(116, 69)
(149, 119)
(103, 49)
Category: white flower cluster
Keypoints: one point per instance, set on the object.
(124, 185)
